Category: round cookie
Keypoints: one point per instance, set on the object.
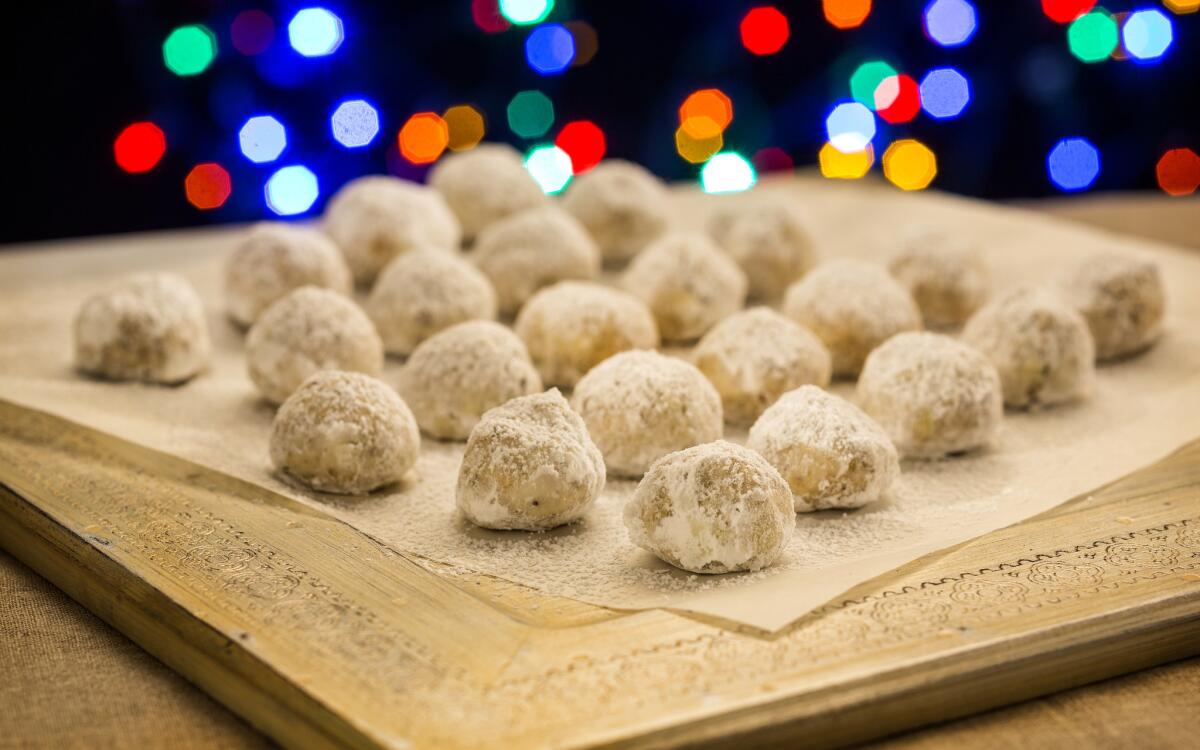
(945, 275)
(621, 204)
(150, 327)
(831, 454)
(454, 376)
(853, 306)
(932, 394)
(344, 432)
(1039, 344)
(713, 508)
(275, 258)
(426, 291)
(640, 405)
(755, 356)
(1122, 299)
(769, 239)
(484, 185)
(687, 282)
(306, 331)
(571, 327)
(529, 464)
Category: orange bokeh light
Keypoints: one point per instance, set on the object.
(846, 14)
(705, 110)
(423, 138)
(1178, 172)
(207, 186)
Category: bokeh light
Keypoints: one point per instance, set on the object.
(1178, 172)
(1093, 36)
(526, 12)
(423, 138)
(909, 164)
(945, 93)
(698, 150)
(839, 165)
(550, 167)
(207, 186)
(898, 99)
(846, 14)
(705, 110)
(315, 32)
(1073, 164)
(139, 147)
(1066, 11)
(764, 30)
(252, 32)
(587, 42)
(189, 50)
(1182, 7)
(355, 123)
(262, 139)
(291, 190)
(850, 127)
(584, 142)
(950, 23)
(466, 125)
(865, 80)
(1147, 34)
(530, 114)
(550, 49)
(727, 173)
(772, 159)
(486, 15)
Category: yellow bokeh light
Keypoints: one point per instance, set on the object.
(698, 150)
(466, 127)
(842, 166)
(909, 164)
(1182, 6)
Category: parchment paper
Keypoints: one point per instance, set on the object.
(1141, 409)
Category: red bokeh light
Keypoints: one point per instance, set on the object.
(898, 99)
(1066, 11)
(765, 30)
(252, 32)
(139, 147)
(207, 186)
(486, 14)
(584, 142)
(846, 14)
(1178, 172)
(772, 159)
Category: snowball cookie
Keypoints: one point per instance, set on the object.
(623, 206)
(831, 454)
(276, 258)
(640, 405)
(425, 291)
(573, 326)
(309, 330)
(533, 249)
(853, 306)
(529, 465)
(484, 185)
(944, 274)
(456, 375)
(932, 394)
(713, 508)
(755, 356)
(1121, 298)
(344, 432)
(374, 219)
(688, 283)
(150, 327)
(1040, 345)
(769, 240)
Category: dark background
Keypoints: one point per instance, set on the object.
(76, 73)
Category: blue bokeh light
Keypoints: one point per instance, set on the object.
(550, 49)
(945, 93)
(850, 126)
(291, 190)
(354, 123)
(1147, 34)
(262, 139)
(315, 32)
(950, 23)
(1073, 164)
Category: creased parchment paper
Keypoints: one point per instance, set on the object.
(1141, 410)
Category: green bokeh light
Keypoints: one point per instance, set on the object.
(526, 12)
(728, 172)
(189, 50)
(530, 114)
(1093, 36)
(866, 78)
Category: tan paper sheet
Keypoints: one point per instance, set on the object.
(1141, 410)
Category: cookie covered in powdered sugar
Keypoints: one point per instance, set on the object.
(769, 239)
(484, 185)
(622, 205)
(945, 275)
(1121, 297)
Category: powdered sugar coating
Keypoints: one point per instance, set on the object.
(534, 249)
(622, 205)
(853, 306)
(830, 452)
(755, 356)
(641, 405)
(769, 239)
(932, 394)
(688, 283)
(307, 331)
(373, 219)
(276, 258)
(1122, 298)
(454, 376)
(484, 185)
(150, 327)
(712, 508)
(571, 327)
(425, 291)
(529, 464)
(1039, 344)
(344, 432)
(945, 275)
